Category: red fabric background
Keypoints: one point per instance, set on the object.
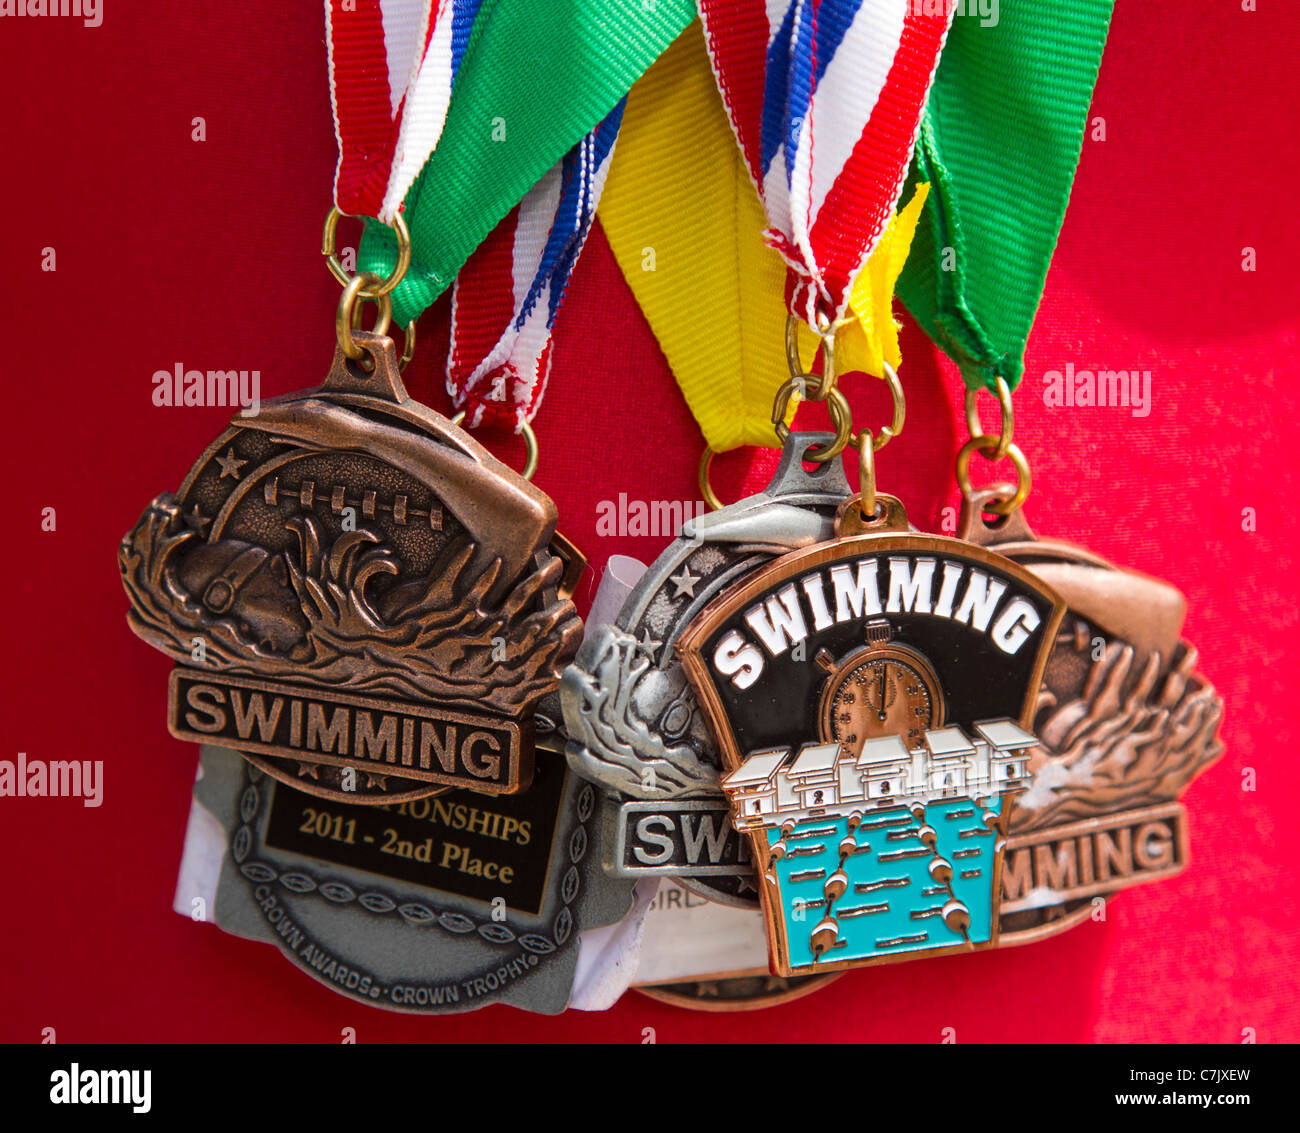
(173, 250)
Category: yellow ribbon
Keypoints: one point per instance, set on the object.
(687, 237)
(869, 336)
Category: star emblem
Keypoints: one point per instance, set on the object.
(650, 645)
(230, 464)
(685, 583)
(707, 987)
(776, 983)
(308, 770)
(373, 780)
(745, 883)
(195, 521)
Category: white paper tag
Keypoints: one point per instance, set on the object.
(196, 880)
(688, 937)
(607, 956)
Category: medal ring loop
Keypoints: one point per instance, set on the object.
(348, 317)
(530, 444)
(866, 473)
(841, 416)
(895, 426)
(397, 224)
(986, 446)
(1007, 430)
(707, 494)
(408, 347)
(816, 387)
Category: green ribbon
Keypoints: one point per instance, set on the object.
(999, 145)
(536, 76)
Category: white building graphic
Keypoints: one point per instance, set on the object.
(775, 785)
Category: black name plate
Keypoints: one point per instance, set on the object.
(690, 838)
(460, 842)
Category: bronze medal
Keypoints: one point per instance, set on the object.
(359, 598)
(1124, 723)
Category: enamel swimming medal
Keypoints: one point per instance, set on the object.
(636, 723)
(872, 696)
(964, 769)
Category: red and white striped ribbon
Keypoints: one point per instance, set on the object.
(825, 99)
(392, 64)
(507, 296)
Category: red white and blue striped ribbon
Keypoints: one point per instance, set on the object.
(825, 99)
(506, 297)
(392, 64)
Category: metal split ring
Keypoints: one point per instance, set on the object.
(1006, 425)
(867, 473)
(841, 416)
(384, 286)
(707, 494)
(895, 426)
(408, 346)
(820, 386)
(987, 446)
(348, 317)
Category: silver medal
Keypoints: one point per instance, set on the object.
(634, 726)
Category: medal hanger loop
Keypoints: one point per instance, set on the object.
(384, 286)
(841, 416)
(707, 494)
(530, 444)
(1007, 425)
(371, 287)
(814, 387)
(986, 446)
(348, 317)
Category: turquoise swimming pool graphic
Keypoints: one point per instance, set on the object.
(860, 887)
